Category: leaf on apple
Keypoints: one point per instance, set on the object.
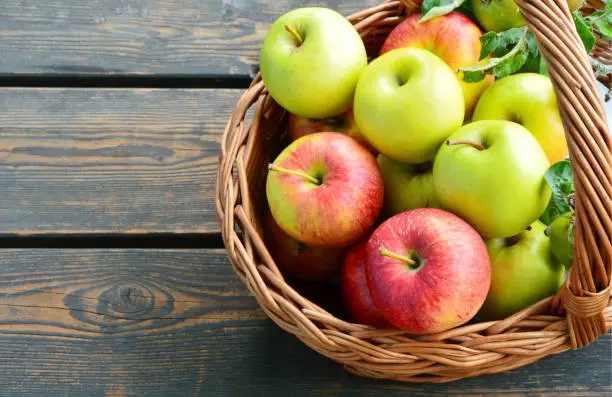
(561, 181)
(435, 8)
(511, 50)
(585, 30)
(602, 20)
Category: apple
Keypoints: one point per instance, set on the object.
(497, 15)
(523, 272)
(574, 4)
(354, 285)
(325, 189)
(561, 234)
(407, 102)
(427, 270)
(453, 37)
(310, 61)
(491, 173)
(407, 186)
(530, 100)
(299, 260)
(345, 122)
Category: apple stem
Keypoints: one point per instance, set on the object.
(466, 142)
(273, 167)
(405, 259)
(295, 34)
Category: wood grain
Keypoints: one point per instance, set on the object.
(180, 323)
(110, 160)
(140, 37)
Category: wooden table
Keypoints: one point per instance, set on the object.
(113, 278)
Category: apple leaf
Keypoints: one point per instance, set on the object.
(602, 20)
(560, 179)
(435, 8)
(488, 43)
(585, 30)
(511, 49)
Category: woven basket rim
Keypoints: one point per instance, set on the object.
(553, 325)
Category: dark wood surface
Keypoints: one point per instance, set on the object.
(110, 161)
(180, 323)
(94, 154)
(141, 37)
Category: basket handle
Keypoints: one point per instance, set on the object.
(586, 292)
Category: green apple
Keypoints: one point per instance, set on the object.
(497, 15)
(523, 272)
(311, 60)
(491, 173)
(407, 186)
(528, 99)
(561, 233)
(407, 101)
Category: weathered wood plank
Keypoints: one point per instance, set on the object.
(136, 37)
(180, 323)
(111, 160)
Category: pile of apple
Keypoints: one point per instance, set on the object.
(418, 191)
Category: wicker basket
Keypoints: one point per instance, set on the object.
(579, 313)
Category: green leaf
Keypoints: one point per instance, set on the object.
(543, 69)
(473, 77)
(609, 7)
(604, 26)
(488, 43)
(511, 49)
(585, 31)
(560, 179)
(435, 8)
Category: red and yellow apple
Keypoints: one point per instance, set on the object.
(299, 260)
(325, 189)
(453, 37)
(354, 285)
(428, 270)
(345, 123)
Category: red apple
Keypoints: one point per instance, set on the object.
(354, 285)
(428, 270)
(453, 37)
(325, 189)
(298, 260)
(345, 123)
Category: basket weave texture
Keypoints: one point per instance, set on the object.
(581, 310)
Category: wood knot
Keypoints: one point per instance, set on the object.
(130, 298)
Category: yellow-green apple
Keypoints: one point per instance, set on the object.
(491, 173)
(325, 189)
(407, 186)
(574, 4)
(497, 15)
(561, 233)
(345, 122)
(523, 272)
(528, 99)
(427, 270)
(299, 260)
(310, 61)
(407, 102)
(454, 38)
(354, 285)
